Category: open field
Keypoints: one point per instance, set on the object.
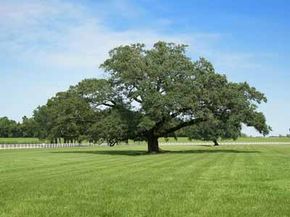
(229, 181)
(20, 141)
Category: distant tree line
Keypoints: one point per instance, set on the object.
(11, 128)
(65, 118)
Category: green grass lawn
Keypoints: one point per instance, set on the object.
(20, 141)
(242, 180)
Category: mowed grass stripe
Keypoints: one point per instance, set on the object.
(137, 192)
(56, 166)
(52, 158)
(84, 167)
(188, 181)
(153, 164)
(190, 190)
(204, 181)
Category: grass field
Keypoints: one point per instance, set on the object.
(242, 180)
(20, 141)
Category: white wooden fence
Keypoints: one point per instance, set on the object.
(25, 146)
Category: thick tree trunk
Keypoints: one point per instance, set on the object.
(153, 146)
(216, 143)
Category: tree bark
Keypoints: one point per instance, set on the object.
(216, 143)
(153, 146)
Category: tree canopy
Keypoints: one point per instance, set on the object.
(65, 116)
(9, 128)
(152, 93)
(227, 124)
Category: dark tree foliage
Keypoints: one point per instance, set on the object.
(114, 121)
(28, 127)
(152, 93)
(227, 124)
(9, 128)
(65, 116)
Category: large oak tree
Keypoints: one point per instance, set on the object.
(151, 93)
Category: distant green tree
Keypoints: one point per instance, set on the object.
(43, 118)
(152, 93)
(28, 127)
(65, 116)
(9, 128)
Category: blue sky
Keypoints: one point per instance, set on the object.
(46, 46)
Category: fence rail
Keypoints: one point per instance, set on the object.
(26, 146)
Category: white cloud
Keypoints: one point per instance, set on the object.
(37, 34)
(66, 35)
(63, 35)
